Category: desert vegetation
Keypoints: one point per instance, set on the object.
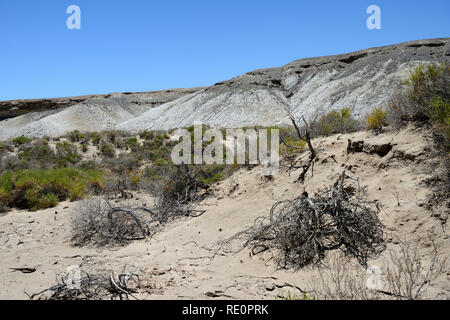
(335, 230)
(96, 286)
(404, 274)
(425, 98)
(309, 230)
(376, 120)
(336, 121)
(304, 229)
(36, 189)
(40, 167)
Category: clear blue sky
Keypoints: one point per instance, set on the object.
(143, 45)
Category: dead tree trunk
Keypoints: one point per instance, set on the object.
(305, 136)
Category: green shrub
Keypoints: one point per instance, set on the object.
(134, 178)
(38, 155)
(95, 138)
(48, 200)
(120, 144)
(76, 136)
(5, 147)
(125, 162)
(21, 141)
(438, 111)
(425, 97)
(147, 135)
(289, 142)
(162, 162)
(427, 82)
(84, 147)
(66, 154)
(76, 191)
(112, 136)
(376, 120)
(5, 197)
(36, 189)
(107, 150)
(336, 122)
(213, 173)
(132, 143)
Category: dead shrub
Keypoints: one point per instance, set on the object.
(408, 273)
(97, 222)
(339, 278)
(177, 192)
(3, 208)
(304, 229)
(92, 286)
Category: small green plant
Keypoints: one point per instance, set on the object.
(6, 147)
(84, 147)
(132, 143)
(336, 122)
(147, 135)
(376, 120)
(66, 154)
(76, 136)
(36, 189)
(48, 200)
(77, 191)
(107, 150)
(37, 155)
(134, 179)
(438, 111)
(112, 136)
(425, 98)
(95, 138)
(21, 141)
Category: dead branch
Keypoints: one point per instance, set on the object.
(408, 273)
(92, 287)
(144, 229)
(96, 221)
(302, 230)
(305, 135)
(24, 270)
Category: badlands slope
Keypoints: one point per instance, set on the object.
(361, 80)
(94, 113)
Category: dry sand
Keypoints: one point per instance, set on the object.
(177, 260)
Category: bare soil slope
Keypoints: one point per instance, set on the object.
(361, 80)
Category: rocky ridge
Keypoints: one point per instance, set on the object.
(361, 80)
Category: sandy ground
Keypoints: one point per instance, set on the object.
(178, 262)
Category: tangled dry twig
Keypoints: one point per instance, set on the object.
(409, 273)
(93, 287)
(303, 134)
(98, 222)
(302, 230)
